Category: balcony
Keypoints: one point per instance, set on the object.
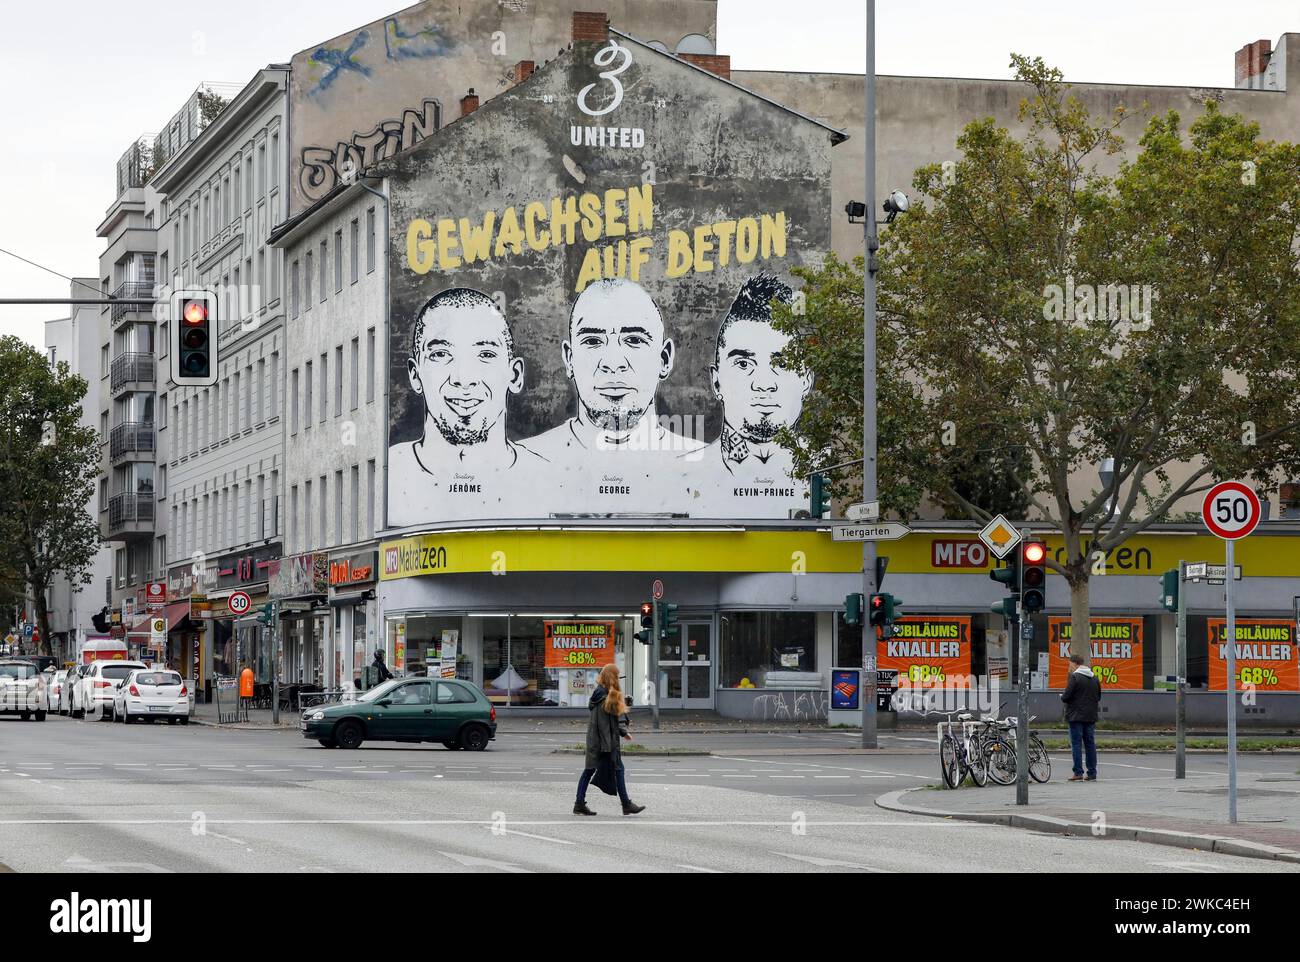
(132, 370)
(133, 438)
(130, 514)
(132, 289)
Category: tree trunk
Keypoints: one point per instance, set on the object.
(1080, 631)
(43, 623)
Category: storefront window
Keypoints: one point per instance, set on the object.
(419, 649)
(848, 643)
(756, 644)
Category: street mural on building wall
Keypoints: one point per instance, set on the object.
(583, 276)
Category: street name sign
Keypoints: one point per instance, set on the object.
(885, 531)
(863, 511)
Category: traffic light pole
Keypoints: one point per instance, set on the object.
(275, 666)
(869, 491)
(1022, 712)
(654, 670)
(1180, 666)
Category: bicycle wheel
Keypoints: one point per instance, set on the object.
(979, 769)
(1000, 760)
(948, 762)
(1040, 766)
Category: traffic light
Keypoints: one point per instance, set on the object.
(1169, 590)
(100, 621)
(647, 623)
(1008, 575)
(1033, 576)
(819, 497)
(667, 619)
(194, 338)
(883, 611)
(266, 613)
(853, 609)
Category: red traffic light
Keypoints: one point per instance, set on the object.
(196, 312)
(877, 601)
(647, 609)
(1035, 552)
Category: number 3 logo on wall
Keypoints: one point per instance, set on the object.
(604, 57)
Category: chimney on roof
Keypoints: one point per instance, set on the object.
(714, 63)
(1251, 62)
(468, 103)
(521, 71)
(590, 26)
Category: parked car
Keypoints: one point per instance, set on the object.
(95, 686)
(150, 693)
(22, 690)
(54, 690)
(68, 693)
(455, 713)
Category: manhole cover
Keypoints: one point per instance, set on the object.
(1241, 792)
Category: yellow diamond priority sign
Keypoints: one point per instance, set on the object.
(1000, 537)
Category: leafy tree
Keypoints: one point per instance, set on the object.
(1038, 316)
(49, 463)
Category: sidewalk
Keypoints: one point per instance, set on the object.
(1191, 814)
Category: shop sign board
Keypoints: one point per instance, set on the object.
(928, 651)
(1266, 654)
(578, 644)
(1116, 657)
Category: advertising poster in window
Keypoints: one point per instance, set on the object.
(1116, 652)
(845, 688)
(928, 651)
(581, 298)
(578, 644)
(1266, 654)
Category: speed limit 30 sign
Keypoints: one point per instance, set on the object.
(239, 603)
(1231, 510)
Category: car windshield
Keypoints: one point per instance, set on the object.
(118, 672)
(379, 691)
(17, 671)
(158, 678)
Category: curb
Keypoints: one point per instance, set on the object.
(892, 801)
(689, 752)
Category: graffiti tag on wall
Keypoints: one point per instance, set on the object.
(322, 167)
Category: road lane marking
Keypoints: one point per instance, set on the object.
(700, 868)
(542, 838)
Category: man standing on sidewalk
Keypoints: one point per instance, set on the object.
(1082, 697)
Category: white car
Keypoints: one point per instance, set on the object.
(151, 693)
(55, 680)
(94, 692)
(22, 690)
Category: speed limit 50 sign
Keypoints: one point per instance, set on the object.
(1231, 510)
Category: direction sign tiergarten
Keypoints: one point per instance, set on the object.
(886, 531)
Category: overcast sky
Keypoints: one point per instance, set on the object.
(79, 87)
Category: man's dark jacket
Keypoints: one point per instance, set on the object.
(1082, 696)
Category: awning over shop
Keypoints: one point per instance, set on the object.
(174, 613)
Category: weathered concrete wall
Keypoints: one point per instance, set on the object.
(707, 153)
(379, 87)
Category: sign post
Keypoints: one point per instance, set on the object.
(1231, 510)
(1180, 666)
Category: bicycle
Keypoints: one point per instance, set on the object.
(1001, 754)
(964, 756)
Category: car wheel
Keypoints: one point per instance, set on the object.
(184, 720)
(171, 721)
(349, 735)
(451, 746)
(25, 715)
(40, 716)
(326, 743)
(474, 738)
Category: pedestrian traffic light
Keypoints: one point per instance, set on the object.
(194, 338)
(1033, 576)
(883, 609)
(1169, 590)
(667, 619)
(266, 613)
(853, 609)
(819, 496)
(646, 634)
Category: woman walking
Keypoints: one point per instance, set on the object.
(605, 726)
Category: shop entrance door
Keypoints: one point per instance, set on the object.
(686, 667)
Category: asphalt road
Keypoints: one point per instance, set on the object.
(99, 797)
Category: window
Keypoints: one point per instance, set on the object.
(324, 530)
(338, 260)
(355, 251)
(356, 372)
(261, 507)
(293, 518)
(370, 365)
(273, 175)
(370, 498)
(263, 282)
(293, 401)
(103, 494)
(162, 339)
(306, 401)
(451, 693)
(324, 259)
(338, 380)
(757, 643)
(275, 503)
(338, 507)
(294, 301)
(370, 240)
(103, 361)
(273, 387)
(236, 420)
(162, 481)
(324, 386)
(356, 503)
(306, 516)
(306, 281)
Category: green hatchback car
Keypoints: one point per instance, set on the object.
(407, 710)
